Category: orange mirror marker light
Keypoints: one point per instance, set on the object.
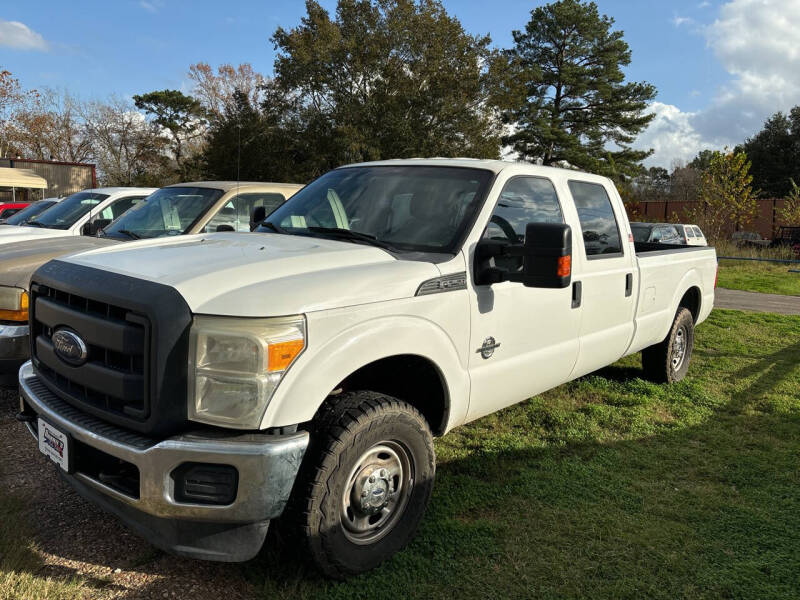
(564, 266)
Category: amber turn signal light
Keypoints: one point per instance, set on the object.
(564, 266)
(281, 354)
(19, 315)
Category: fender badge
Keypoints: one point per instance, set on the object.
(487, 348)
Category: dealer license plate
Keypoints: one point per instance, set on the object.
(54, 444)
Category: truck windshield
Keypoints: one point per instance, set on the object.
(403, 208)
(641, 233)
(67, 212)
(29, 211)
(168, 211)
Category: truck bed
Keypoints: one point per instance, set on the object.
(666, 273)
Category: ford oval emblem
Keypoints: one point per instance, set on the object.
(69, 347)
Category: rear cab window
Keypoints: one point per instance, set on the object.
(601, 237)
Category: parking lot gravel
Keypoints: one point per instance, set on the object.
(75, 538)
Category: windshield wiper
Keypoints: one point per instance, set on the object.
(129, 233)
(349, 234)
(33, 224)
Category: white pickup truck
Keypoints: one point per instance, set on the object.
(201, 386)
(83, 213)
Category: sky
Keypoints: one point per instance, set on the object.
(721, 67)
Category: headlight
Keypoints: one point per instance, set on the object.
(235, 364)
(13, 304)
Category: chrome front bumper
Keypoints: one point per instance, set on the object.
(14, 347)
(267, 466)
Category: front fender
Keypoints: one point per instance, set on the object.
(340, 344)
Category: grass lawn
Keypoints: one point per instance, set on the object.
(770, 278)
(606, 487)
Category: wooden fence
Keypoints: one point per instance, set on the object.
(766, 221)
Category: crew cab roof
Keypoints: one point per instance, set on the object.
(496, 166)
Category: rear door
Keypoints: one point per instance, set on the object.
(523, 340)
(608, 276)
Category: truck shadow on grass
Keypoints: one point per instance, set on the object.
(604, 487)
(708, 505)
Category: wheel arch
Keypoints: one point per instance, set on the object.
(409, 358)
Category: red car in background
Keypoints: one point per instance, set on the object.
(8, 209)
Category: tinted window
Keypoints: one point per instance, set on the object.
(523, 200)
(8, 212)
(598, 224)
(168, 211)
(121, 206)
(697, 231)
(30, 211)
(409, 207)
(689, 232)
(641, 233)
(67, 212)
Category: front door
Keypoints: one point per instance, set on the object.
(523, 340)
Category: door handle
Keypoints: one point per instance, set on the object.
(576, 294)
(628, 284)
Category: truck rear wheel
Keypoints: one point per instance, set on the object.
(668, 362)
(366, 481)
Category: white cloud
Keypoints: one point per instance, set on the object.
(756, 43)
(153, 6)
(671, 136)
(704, 4)
(678, 21)
(19, 36)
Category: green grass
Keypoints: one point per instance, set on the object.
(751, 276)
(606, 487)
(612, 487)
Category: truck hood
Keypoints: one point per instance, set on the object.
(264, 274)
(18, 261)
(17, 233)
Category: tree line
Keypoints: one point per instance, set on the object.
(380, 79)
(375, 79)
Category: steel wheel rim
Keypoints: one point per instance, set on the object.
(679, 347)
(377, 492)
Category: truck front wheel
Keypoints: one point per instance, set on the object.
(668, 362)
(366, 481)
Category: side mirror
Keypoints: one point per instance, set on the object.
(259, 214)
(546, 258)
(225, 228)
(92, 227)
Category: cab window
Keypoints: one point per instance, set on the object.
(237, 213)
(601, 237)
(523, 200)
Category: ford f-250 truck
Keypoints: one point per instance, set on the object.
(182, 208)
(202, 386)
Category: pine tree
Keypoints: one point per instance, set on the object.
(576, 106)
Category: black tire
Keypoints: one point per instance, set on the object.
(663, 363)
(349, 427)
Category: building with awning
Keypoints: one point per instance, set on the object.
(19, 182)
(63, 178)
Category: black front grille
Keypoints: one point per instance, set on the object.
(114, 377)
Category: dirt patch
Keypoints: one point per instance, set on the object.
(75, 538)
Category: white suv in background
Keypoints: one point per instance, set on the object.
(82, 213)
(691, 235)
